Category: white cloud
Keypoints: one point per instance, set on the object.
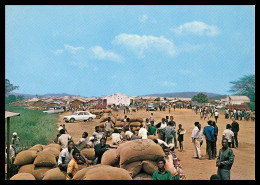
(198, 28)
(101, 54)
(58, 52)
(140, 44)
(73, 49)
(143, 18)
(166, 83)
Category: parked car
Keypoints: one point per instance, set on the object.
(79, 116)
(151, 106)
(54, 110)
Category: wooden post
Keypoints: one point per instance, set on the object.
(8, 148)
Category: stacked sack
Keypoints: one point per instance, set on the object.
(102, 172)
(139, 157)
(104, 118)
(98, 113)
(135, 122)
(37, 161)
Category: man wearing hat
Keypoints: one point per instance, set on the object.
(16, 142)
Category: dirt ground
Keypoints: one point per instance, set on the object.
(244, 163)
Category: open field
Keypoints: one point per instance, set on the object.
(244, 164)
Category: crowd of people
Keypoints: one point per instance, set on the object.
(169, 136)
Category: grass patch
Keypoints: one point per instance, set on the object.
(32, 126)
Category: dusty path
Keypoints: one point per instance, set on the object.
(243, 167)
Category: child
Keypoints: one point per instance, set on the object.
(181, 133)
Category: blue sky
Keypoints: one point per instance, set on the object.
(135, 50)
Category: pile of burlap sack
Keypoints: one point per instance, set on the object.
(136, 159)
(132, 160)
(100, 113)
(40, 163)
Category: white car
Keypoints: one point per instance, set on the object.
(79, 116)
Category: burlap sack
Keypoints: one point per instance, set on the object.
(152, 137)
(110, 157)
(28, 168)
(135, 124)
(134, 168)
(81, 173)
(45, 159)
(101, 124)
(136, 128)
(52, 150)
(38, 172)
(54, 145)
(54, 174)
(89, 153)
(107, 173)
(149, 167)
(25, 157)
(139, 119)
(37, 148)
(143, 176)
(119, 124)
(140, 149)
(23, 176)
(123, 135)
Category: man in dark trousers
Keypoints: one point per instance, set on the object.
(225, 161)
(208, 131)
(216, 136)
(235, 129)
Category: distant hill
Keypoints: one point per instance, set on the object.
(186, 95)
(29, 96)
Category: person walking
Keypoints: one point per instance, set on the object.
(196, 140)
(208, 131)
(228, 134)
(215, 137)
(216, 115)
(235, 129)
(225, 161)
(169, 133)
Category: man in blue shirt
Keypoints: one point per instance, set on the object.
(208, 131)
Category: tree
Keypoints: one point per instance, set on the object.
(9, 87)
(244, 86)
(157, 99)
(11, 98)
(20, 98)
(200, 98)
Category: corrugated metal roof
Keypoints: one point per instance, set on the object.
(11, 114)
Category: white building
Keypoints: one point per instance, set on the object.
(235, 100)
(118, 99)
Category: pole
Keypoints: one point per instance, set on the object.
(8, 148)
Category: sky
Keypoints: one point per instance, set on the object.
(99, 50)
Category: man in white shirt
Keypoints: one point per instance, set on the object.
(64, 139)
(216, 115)
(116, 137)
(196, 140)
(143, 133)
(161, 129)
(228, 134)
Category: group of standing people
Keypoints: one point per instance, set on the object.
(225, 158)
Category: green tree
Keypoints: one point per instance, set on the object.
(11, 98)
(9, 87)
(157, 99)
(20, 98)
(200, 98)
(244, 86)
